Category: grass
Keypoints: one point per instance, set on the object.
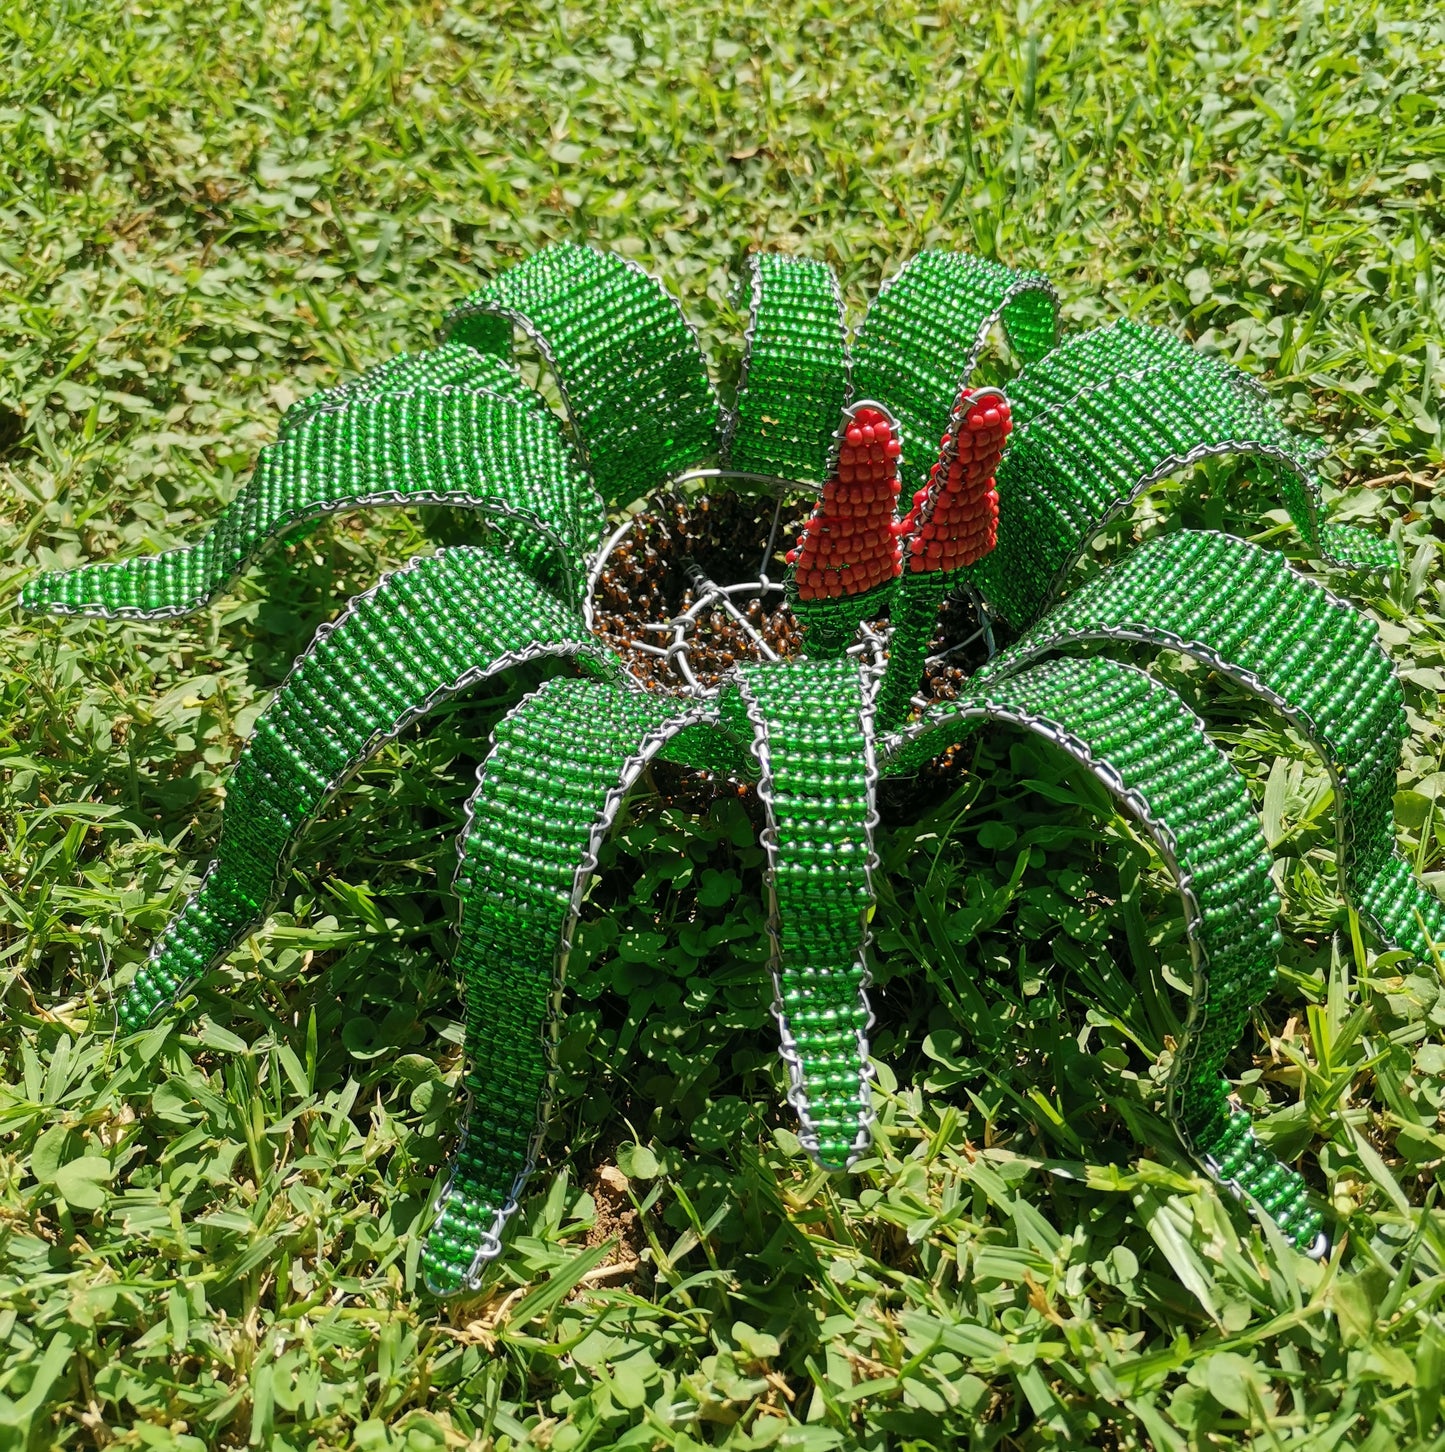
(209, 1232)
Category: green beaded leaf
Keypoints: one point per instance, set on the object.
(455, 446)
(794, 379)
(437, 626)
(1084, 360)
(811, 731)
(1150, 751)
(629, 368)
(1109, 413)
(1243, 611)
(914, 616)
(922, 338)
(547, 794)
(452, 365)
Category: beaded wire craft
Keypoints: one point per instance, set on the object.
(1001, 491)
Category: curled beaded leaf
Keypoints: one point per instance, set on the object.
(630, 370)
(412, 641)
(1146, 746)
(812, 736)
(922, 338)
(1243, 610)
(1110, 412)
(794, 376)
(524, 858)
(462, 446)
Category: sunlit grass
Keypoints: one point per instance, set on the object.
(209, 1234)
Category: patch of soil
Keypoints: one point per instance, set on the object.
(616, 1219)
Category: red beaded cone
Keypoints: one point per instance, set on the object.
(954, 519)
(849, 545)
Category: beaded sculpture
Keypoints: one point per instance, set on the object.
(924, 485)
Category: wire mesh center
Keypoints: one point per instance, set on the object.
(692, 584)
